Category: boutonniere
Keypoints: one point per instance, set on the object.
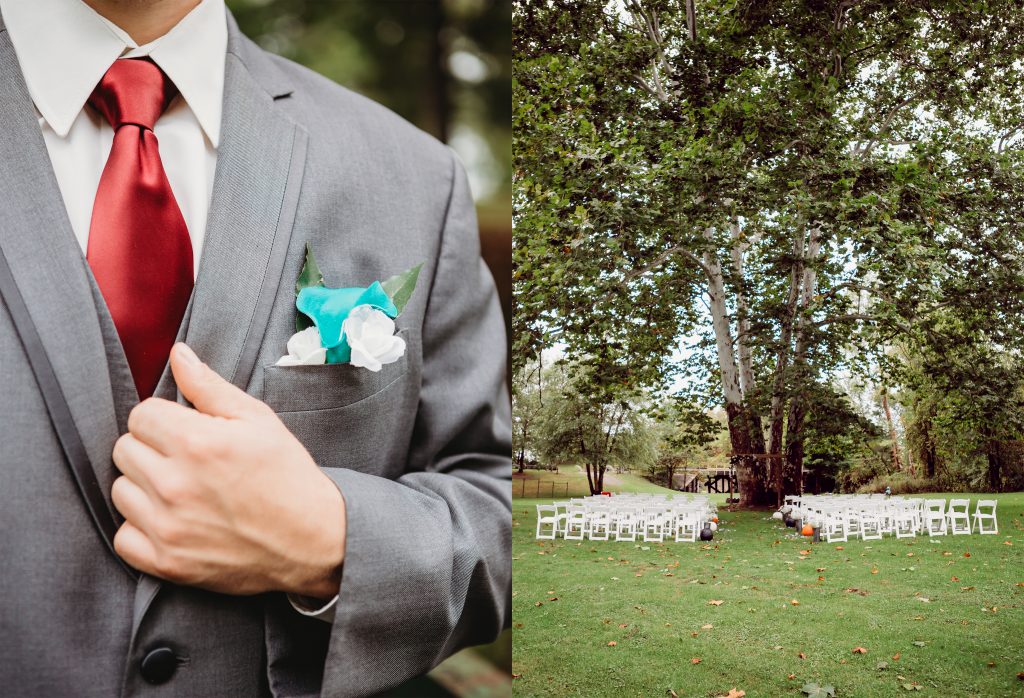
(347, 325)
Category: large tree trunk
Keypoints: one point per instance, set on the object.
(781, 364)
(793, 473)
(752, 484)
(994, 476)
(897, 463)
(746, 360)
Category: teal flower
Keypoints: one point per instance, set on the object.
(328, 308)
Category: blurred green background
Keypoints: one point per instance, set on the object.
(446, 66)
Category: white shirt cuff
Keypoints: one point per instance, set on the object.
(307, 607)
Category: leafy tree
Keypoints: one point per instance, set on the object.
(797, 185)
(683, 432)
(584, 422)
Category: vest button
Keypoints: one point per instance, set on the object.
(159, 665)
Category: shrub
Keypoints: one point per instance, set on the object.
(898, 483)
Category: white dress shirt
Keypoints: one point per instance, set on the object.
(64, 47)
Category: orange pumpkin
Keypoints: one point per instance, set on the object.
(807, 530)
(715, 519)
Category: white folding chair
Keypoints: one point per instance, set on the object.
(547, 521)
(935, 517)
(835, 527)
(905, 521)
(984, 511)
(958, 517)
(870, 526)
(598, 524)
(575, 522)
(687, 522)
(654, 526)
(625, 521)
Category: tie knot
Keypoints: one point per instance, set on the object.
(133, 91)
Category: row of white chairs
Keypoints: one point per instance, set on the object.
(648, 517)
(869, 517)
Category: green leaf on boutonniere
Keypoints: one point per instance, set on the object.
(309, 276)
(399, 288)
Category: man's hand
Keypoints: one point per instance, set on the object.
(223, 496)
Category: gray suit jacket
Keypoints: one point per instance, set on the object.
(420, 450)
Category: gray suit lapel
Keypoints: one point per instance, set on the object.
(47, 290)
(260, 164)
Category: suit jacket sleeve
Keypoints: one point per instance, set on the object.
(428, 556)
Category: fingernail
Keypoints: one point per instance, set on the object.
(186, 354)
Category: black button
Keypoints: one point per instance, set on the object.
(159, 665)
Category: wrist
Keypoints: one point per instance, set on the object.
(319, 576)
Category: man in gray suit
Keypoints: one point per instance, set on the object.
(199, 520)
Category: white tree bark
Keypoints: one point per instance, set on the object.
(731, 388)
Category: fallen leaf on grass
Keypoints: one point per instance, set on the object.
(814, 690)
(954, 578)
(805, 552)
(623, 625)
(839, 547)
(991, 665)
(965, 555)
(882, 666)
(918, 643)
(715, 602)
(801, 655)
(913, 686)
(539, 603)
(794, 602)
(733, 693)
(612, 643)
(706, 626)
(859, 650)
(821, 578)
(791, 677)
(896, 657)
(820, 569)
(1006, 542)
(695, 660)
(874, 570)
(517, 676)
(553, 598)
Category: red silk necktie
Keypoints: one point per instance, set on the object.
(139, 247)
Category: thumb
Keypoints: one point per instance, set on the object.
(206, 390)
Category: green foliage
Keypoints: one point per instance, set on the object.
(577, 427)
(400, 287)
(864, 160)
(309, 276)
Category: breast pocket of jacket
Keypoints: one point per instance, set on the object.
(347, 416)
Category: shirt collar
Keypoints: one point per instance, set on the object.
(64, 47)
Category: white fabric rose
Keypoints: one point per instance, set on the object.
(371, 335)
(304, 349)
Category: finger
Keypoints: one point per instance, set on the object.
(159, 423)
(135, 548)
(132, 501)
(137, 461)
(207, 391)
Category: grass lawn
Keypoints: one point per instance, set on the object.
(942, 616)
